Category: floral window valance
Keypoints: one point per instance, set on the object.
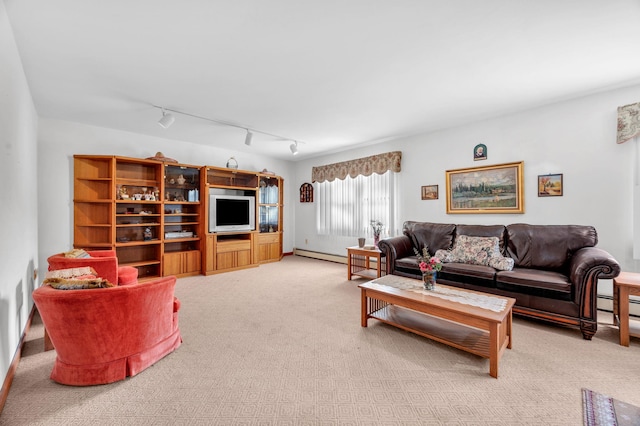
(628, 122)
(379, 164)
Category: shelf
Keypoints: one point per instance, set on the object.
(138, 243)
(132, 225)
(180, 240)
(183, 202)
(143, 263)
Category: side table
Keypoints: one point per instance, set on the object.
(359, 262)
(624, 285)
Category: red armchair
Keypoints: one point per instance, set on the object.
(107, 334)
(104, 262)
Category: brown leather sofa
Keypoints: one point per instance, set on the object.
(555, 267)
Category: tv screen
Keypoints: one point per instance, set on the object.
(231, 213)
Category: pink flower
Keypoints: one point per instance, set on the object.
(424, 266)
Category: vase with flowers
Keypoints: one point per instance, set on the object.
(429, 266)
(376, 225)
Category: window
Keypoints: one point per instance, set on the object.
(347, 206)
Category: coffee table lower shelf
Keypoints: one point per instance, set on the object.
(450, 333)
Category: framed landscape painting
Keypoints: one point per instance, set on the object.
(430, 192)
(489, 189)
(550, 185)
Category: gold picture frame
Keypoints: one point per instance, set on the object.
(489, 189)
(429, 192)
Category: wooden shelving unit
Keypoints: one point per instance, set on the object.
(154, 215)
(183, 220)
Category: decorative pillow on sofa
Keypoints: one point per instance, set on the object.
(501, 263)
(477, 251)
(474, 250)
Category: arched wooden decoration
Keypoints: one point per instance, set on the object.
(306, 193)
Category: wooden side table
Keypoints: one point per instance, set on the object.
(359, 262)
(624, 285)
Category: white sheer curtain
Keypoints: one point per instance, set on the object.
(347, 207)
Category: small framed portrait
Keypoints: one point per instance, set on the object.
(430, 192)
(550, 185)
(480, 152)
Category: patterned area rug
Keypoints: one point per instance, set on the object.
(602, 410)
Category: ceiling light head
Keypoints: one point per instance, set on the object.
(294, 148)
(247, 139)
(166, 120)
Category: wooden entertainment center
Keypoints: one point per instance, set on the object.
(155, 215)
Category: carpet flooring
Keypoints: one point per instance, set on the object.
(282, 345)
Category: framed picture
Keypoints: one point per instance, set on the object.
(430, 192)
(550, 185)
(489, 189)
(480, 152)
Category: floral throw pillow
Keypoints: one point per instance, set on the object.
(474, 250)
(501, 263)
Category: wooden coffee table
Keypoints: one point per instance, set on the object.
(473, 329)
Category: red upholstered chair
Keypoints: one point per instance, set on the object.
(104, 262)
(103, 335)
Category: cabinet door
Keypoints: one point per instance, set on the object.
(172, 264)
(243, 258)
(191, 261)
(226, 260)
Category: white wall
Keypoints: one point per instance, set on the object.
(60, 140)
(18, 192)
(576, 138)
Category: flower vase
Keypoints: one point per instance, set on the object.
(429, 279)
(376, 240)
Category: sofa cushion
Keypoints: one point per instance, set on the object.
(435, 236)
(474, 250)
(499, 231)
(553, 285)
(455, 273)
(547, 246)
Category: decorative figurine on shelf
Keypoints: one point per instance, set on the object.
(122, 194)
(156, 193)
(181, 180)
(147, 234)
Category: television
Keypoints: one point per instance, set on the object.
(232, 213)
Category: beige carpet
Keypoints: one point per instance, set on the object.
(282, 345)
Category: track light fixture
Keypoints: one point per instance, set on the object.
(166, 120)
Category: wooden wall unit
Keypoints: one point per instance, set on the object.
(154, 215)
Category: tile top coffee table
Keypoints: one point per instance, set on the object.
(469, 320)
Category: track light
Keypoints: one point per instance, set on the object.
(167, 119)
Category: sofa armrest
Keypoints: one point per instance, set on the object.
(395, 248)
(585, 268)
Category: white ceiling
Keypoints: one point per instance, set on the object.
(329, 73)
